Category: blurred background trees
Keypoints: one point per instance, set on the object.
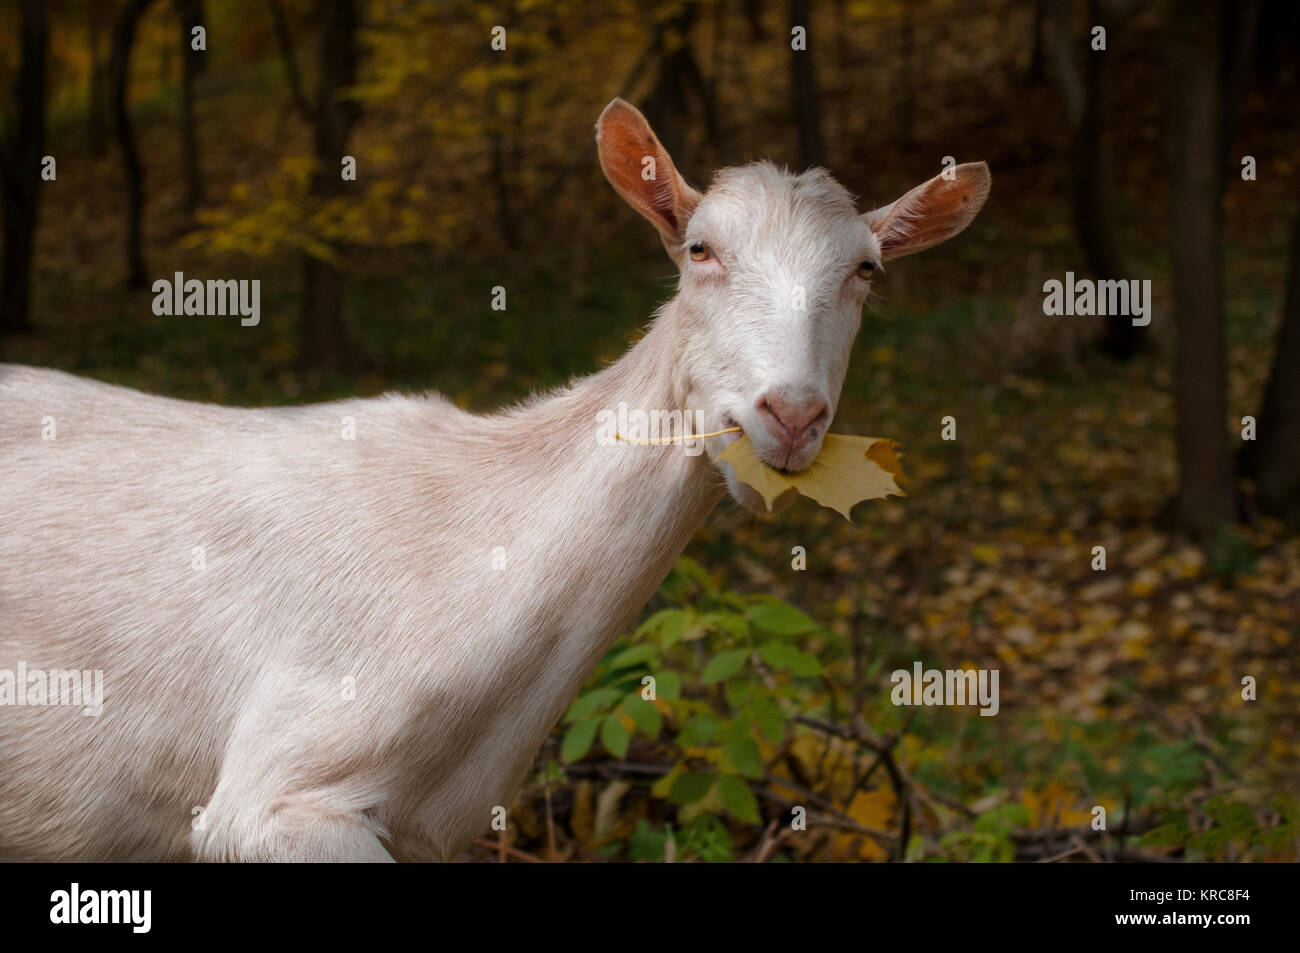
(21, 151)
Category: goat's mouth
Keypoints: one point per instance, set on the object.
(730, 423)
(789, 460)
(785, 460)
(787, 469)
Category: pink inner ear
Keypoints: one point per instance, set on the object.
(665, 205)
(932, 213)
(625, 141)
(629, 147)
(948, 198)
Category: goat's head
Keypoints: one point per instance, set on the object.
(775, 268)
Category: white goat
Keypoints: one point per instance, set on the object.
(228, 729)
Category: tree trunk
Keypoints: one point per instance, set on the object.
(669, 102)
(1086, 98)
(1061, 45)
(1238, 61)
(325, 344)
(803, 90)
(123, 39)
(1206, 492)
(190, 13)
(1121, 339)
(1273, 458)
(1037, 60)
(96, 106)
(503, 161)
(507, 219)
(20, 163)
(907, 76)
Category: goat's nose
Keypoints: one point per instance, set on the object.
(791, 419)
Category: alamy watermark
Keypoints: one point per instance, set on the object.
(1087, 298)
(79, 688)
(650, 427)
(212, 297)
(130, 907)
(953, 686)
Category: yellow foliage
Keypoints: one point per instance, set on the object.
(874, 809)
(1054, 806)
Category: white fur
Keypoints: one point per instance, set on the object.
(371, 559)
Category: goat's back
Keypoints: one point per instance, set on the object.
(199, 556)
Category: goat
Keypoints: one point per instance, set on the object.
(327, 649)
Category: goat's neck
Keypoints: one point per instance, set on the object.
(631, 509)
(589, 532)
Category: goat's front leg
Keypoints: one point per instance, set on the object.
(290, 829)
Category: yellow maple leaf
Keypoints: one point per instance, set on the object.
(1054, 805)
(848, 470)
(874, 809)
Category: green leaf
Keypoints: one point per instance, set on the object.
(771, 720)
(787, 658)
(664, 786)
(665, 626)
(671, 629)
(805, 665)
(690, 787)
(1213, 841)
(1235, 817)
(738, 799)
(779, 618)
(699, 729)
(578, 739)
(686, 575)
(734, 731)
(779, 655)
(614, 736)
(1173, 830)
(693, 571)
(592, 702)
(695, 630)
(1166, 835)
(727, 623)
(734, 626)
(738, 690)
(634, 656)
(1274, 838)
(724, 665)
(707, 838)
(645, 715)
(668, 686)
(1002, 819)
(552, 773)
(646, 843)
(745, 757)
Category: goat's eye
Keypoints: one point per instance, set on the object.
(866, 268)
(700, 251)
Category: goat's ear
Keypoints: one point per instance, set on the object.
(641, 171)
(931, 213)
